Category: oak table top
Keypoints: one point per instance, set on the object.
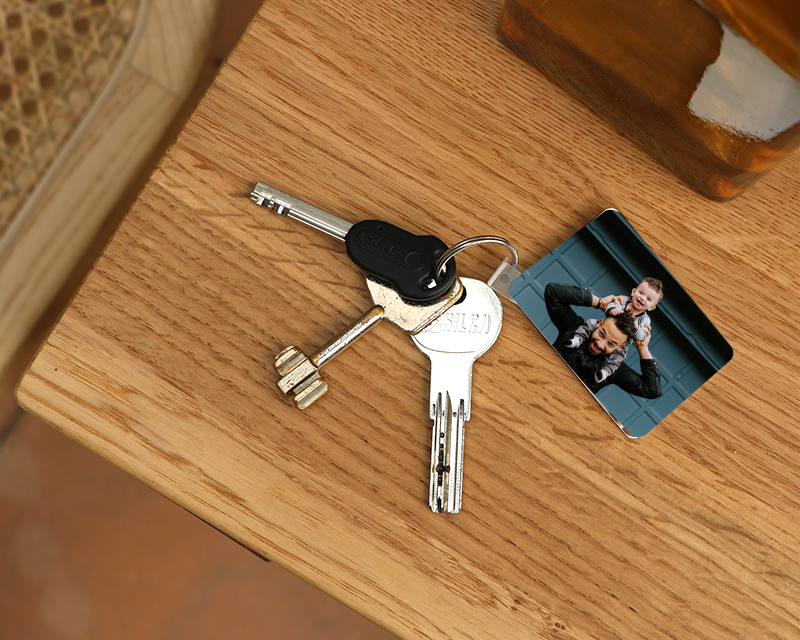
(415, 112)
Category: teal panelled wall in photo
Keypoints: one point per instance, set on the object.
(609, 257)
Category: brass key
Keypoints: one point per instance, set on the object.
(300, 373)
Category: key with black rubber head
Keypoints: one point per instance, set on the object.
(402, 259)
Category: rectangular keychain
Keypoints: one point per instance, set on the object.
(576, 297)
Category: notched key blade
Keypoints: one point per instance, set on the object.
(285, 205)
(441, 409)
(447, 456)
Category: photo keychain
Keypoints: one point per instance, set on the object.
(602, 299)
(620, 321)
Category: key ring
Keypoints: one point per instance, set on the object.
(441, 263)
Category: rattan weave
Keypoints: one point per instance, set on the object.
(55, 58)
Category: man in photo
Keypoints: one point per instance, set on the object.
(644, 298)
(610, 334)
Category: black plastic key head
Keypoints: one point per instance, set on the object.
(400, 258)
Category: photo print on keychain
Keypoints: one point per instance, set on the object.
(621, 322)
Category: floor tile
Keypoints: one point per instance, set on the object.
(88, 551)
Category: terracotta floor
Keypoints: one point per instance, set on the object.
(89, 552)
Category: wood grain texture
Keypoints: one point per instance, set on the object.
(414, 112)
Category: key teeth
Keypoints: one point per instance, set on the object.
(311, 391)
(288, 359)
(299, 376)
(447, 455)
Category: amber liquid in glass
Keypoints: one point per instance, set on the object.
(710, 91)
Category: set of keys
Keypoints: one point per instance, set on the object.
(413, 284)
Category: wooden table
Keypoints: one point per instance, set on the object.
(414, 112)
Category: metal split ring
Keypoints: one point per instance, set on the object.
(441, 264)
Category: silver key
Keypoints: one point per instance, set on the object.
(406, 261)
(286, 205)
(300, 373)
(453, 342)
